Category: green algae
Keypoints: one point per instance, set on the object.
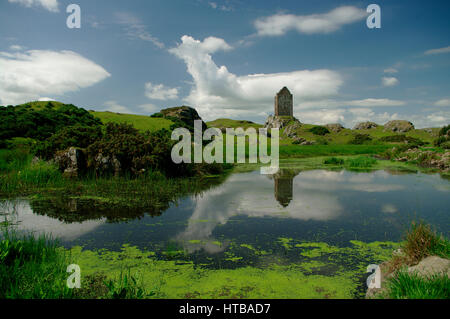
(325, 271)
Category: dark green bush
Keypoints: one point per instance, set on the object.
(24, 121)
(157, 115)
(333, 161)
(319, 130)
(443, 138)
(359, 139)
(78, 136)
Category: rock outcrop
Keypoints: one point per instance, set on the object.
(398, 126)
(289, 124)
(365, 126)
(427, 267)
(71, 162)
(334, 127)
(430, 266)
(185, 114)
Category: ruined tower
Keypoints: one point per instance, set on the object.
(284, 103)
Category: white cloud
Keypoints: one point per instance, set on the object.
(113, 106)
(443, 102)
(279, 24)
(375, 102)
(160, 92)
(46, 99)
(439, 118)
(149, 108)
(438, 51)
(50, 5)
(135, 29)
(390, 70)
(217, 92)
(36, 73)
(16, 47)
(215, 5)
(389, 81)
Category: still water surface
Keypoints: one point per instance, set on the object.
(250, 210)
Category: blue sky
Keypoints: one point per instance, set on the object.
(229, 58)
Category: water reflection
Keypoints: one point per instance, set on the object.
(307, 205)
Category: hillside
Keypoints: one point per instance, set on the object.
(141, 122)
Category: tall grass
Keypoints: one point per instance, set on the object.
(32, 268)
(406, 285)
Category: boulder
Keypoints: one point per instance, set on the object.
(334, 127)
(398, 126)
(365, 126)
(71, 162)
(186, 114)
(430, 266)
(105, 164)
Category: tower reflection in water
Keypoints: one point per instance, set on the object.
(284, 186)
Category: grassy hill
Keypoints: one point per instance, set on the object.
(141, 122)
(346, 135)
(228, 123)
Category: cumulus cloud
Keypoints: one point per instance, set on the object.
(370, 102)
(50, 5)
(149, 108)
(390, 70)
(438, 51)
(443, 102)
(222, 7)
(389, 81)
(279, 24)
(346, 116)
(216, 92)
(36, 73)
(16, 47)
(113, 106)
(135, 29)
(160, 92)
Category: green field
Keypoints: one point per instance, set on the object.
(141, 122)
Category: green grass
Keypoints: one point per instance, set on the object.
(141, 122)
(361, 162)
(32, 268)
(35, 268)
(324, 150)
(406, 285)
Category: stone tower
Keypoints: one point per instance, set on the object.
(284, 103)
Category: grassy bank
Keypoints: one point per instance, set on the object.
(22, 176)
(421, 241)
(36, 268)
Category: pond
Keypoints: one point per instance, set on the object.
(324, 224)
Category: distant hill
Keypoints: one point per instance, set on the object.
(141, 122)
(228, 123)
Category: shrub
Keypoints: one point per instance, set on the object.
(359, 139)
(401, 138)
(319, 130)
(157, 115)
(333, 161)
(443, 138)
(78, 136)
(361, 161)
(24, 121)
